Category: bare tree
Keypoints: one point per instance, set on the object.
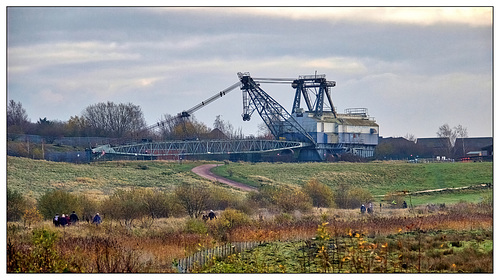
(264, 131)
(410, 137)
(194, 199)
(461, 132)
(114, 120)
(445, 131)
(166, 126)
(227, 128)
(17, 119)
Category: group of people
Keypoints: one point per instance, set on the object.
(211, 215)
(368, 209)
(67, 220)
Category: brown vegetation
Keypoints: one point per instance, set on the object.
(112, 247)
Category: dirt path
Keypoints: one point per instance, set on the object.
(204, 171)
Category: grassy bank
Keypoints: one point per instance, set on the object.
(34, 177)
(379, 177)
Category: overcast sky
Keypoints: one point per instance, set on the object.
(415, 69)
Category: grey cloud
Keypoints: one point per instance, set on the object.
(177, 57)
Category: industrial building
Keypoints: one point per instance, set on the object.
(352, 132)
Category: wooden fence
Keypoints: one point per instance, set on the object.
(202, 257)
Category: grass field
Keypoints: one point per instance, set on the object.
(379, 177)
(35, 177)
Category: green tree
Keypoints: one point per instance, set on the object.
(189, 128)
(281, 198)
(341, 196)
(57, 201)
(157, 203)
(76, 126)
(16, 204)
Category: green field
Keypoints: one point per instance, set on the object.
(34, 177)
(379, 177)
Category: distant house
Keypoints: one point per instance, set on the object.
(437, 146)
(396, 141)
(216, 134)
(473, 145)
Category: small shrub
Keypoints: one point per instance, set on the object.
(288, 200)
(320, 194)
(31, 216)
(230, 219)
(43, 256)
(16, 204)
(283, 219)
(196, 226)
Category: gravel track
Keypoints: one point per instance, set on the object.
(204, 171)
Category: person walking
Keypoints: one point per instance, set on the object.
(62, 221)
(73, 218)
(212, 215)
(55, 220)
(97, 219)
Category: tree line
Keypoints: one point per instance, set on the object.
(126, 120)
(123, 120)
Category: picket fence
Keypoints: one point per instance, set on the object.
(202, 257)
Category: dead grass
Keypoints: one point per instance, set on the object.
(155, 248)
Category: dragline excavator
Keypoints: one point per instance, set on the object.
(281, 124)
(321, 131)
